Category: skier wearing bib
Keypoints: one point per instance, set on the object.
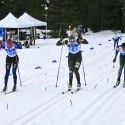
(116, 40)
(121, 50)
(79, 31)
(74, 57)
(68, 32)
(11, 59)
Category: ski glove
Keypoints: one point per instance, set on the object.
(114, 60)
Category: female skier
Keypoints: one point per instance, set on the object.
(120, 49)
(11, 59)
(74, 57)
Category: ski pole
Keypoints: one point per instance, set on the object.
(113, 65)
(59, 66)
(83, 68)
(18, 71)
(19, 75)
(83, 71)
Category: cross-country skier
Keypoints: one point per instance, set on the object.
(68, 32)
(79, 31)
(116, 40)
(74, 57)
(11, 59)
(120, 49)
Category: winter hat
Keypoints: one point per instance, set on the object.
(9, 43)
(69, 27)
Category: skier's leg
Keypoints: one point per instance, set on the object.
(14, 72)
(121, 67)
(117, 43)
(124, 68)
(8, 66)
(71, 69)
(124, 77)
(119, 73)
(77, 77)
(124, 74)
(70, 78)
(77, 66)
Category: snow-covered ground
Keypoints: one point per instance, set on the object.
(39, 102)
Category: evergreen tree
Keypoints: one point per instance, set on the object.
(94, 14)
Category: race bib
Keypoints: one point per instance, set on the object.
(73, 47)
(11, 52)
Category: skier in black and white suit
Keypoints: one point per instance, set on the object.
(74, 57)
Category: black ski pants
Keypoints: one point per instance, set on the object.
(74, 62)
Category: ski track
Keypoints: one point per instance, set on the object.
(107, 97)
(88, 113)
(27, 117)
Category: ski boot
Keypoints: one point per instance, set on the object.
(117, 83)
(69, 87)
(5, 86)
(4, 89)
(14, 88)
(78, 87)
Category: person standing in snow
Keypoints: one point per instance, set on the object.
(11, 59)
(74, 57)
(68, 32)
(80, 31)
(120, 49)
(116, 39)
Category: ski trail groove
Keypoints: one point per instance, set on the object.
(24, 119)
(106, 95)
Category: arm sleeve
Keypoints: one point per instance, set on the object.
(83, 41)
(61, 42)
(120, 38)
(18, 46)
(2, 46)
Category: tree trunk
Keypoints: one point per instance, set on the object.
(86, 16)
(101, 15)
(123, 19)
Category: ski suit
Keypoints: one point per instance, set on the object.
(74, 58)
(11, 59)
(116, 40)
(120, 50)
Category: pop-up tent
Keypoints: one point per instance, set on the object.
(10, 21)
(26, 18)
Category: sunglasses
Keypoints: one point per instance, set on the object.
(71, 40)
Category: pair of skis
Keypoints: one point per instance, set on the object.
(5, 92)
(71, 91)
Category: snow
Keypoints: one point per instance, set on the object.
(39, 102)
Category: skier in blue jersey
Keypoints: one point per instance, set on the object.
(120, 49)
(74, 57)
(116, 40)
(11, 59)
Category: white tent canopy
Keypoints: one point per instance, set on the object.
(10, 21)
(26, 18)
